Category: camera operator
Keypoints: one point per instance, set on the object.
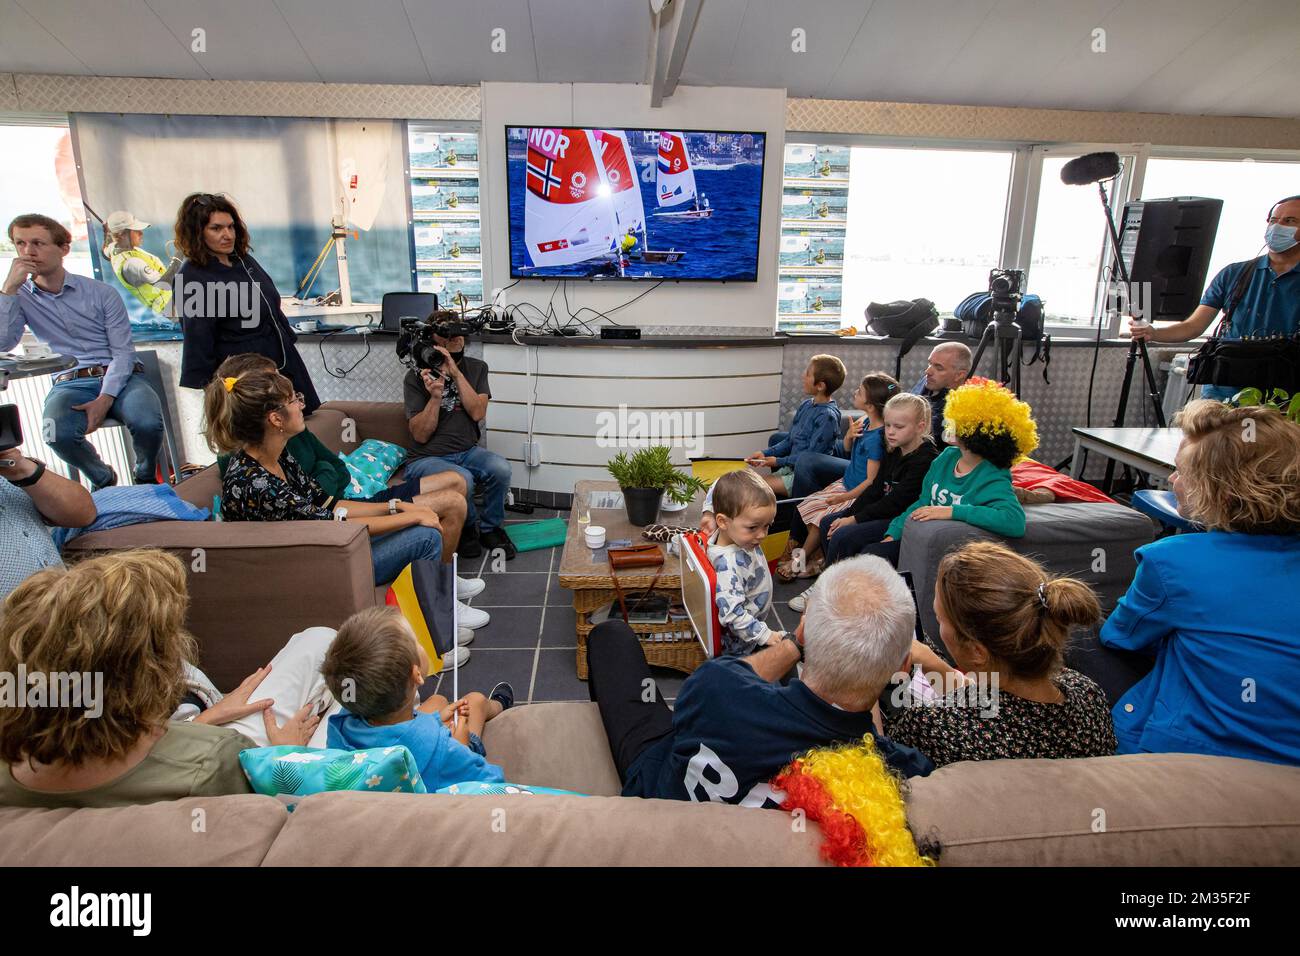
(1267, 306)
(444, 407)
(31, 500)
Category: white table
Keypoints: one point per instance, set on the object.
(332, 316)
(1150, 450)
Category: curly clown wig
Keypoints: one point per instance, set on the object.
(855, 798)
(991, 422)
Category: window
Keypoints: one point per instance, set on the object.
(1069, 239)
(445, 215)
(41, 176)
(922, 223)
(1247, 187)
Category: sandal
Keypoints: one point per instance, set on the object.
(785, 571)
(813, 568)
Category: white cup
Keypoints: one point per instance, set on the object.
(595, 536)
(37, 350)
(307, 325)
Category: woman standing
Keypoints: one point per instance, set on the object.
(252, 417)
(225, 301)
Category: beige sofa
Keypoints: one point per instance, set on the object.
(1161, 810)
(253, 584)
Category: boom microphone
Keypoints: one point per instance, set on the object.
(1092, 168)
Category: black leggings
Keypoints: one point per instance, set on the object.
(619, 681)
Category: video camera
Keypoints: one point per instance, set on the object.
(1004, 290)
(415, 345)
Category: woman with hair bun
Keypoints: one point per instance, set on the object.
(1217, 610)
(1005, 622)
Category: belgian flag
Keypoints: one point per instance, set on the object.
(425, 593)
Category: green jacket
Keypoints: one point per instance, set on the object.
(317, 460)
(984, 498)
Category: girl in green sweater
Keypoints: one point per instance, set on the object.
(989, 430)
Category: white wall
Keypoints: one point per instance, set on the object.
(730, 305)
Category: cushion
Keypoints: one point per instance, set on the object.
(1132, 810)
(482, 788)
(298, 771)
(119, 507)
(370, 466)
(1034, 474)
(559, 745)
(533, 535)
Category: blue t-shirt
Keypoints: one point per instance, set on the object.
(441, 758)
(734, 731)
(869, 446)
(1270, 304)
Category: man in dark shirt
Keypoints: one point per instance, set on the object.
(947, 368)
(443, 410)
(734, 727)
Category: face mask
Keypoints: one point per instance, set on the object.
(457, 356)
(1280, 238)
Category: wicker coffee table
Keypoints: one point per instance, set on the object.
(587, 574)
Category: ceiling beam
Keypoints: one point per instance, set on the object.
(673, 28)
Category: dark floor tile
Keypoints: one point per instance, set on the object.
(782, 592)
(510, 627)
(558, 628)
(487, 666)
(557, 596)
(539, 560)
(527, 588)
(557, 677)
(667, 681)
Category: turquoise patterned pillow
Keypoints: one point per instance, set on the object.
(300, 771)
(370, 466)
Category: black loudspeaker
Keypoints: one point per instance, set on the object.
(1167, 243)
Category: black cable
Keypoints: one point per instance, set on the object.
(341, 372)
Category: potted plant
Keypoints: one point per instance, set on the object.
(646, 477)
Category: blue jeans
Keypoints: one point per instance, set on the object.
(812, 472)
(851, 540)
(475, 465)
(390, 553)
(1220, 393)
(136, 406)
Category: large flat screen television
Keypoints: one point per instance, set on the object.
(634, 203)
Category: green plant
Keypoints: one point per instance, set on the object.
(652, 468)
(1288, 405)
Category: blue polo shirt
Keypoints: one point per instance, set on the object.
(1270, 304)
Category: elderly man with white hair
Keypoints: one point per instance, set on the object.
(947, 368)
(735, 725)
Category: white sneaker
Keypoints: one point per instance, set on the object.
(469, 587)
(799, 603)
(456, 657)
(471, 617)
(464, 636)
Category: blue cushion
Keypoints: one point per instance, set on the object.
(1163, 506)
(118, 507)
(300, 771)
(371, 465)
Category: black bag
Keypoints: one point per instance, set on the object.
(1264, 364)
(909, 320)
(975, 312)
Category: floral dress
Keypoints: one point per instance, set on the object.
(251, 493)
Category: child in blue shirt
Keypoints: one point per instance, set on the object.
(865, 445)
(375, 668)
(744, 508)
(814, 430)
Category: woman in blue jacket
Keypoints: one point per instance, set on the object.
(1217, 610)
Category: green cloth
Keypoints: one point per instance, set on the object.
(317, 460)
(984, 498)
(532, 535)
(189, 760)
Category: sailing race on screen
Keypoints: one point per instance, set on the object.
(659, 204)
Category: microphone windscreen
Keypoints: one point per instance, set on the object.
(1092, 168)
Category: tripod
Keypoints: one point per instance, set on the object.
(1135, 348)
(1005, 331)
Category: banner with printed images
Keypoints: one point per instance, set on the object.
(448, 242)
(455, 290)
(438, 150)
(287, 176)
(810, 295)
(811, 250)
(806, 161)
(813, 205)
(444, 195)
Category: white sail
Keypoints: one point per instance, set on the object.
(675, 180)
(620, 174)
(568, 216)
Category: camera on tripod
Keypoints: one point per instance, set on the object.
(415, 345)
(1004, 290)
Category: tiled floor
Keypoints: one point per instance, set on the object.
(530, 639)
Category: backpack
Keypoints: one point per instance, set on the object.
(908, 319)
(975, 312)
